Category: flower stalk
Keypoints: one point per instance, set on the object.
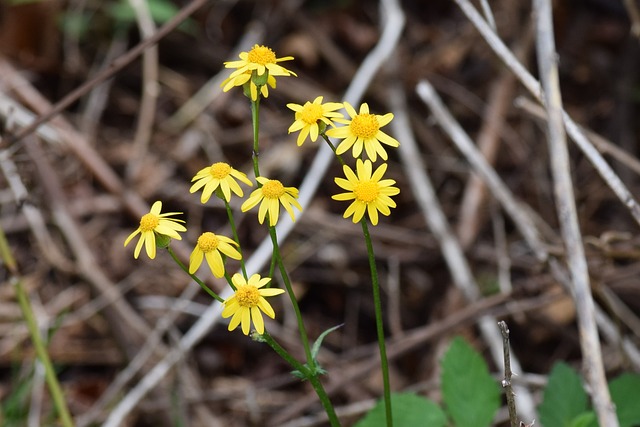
(193, 276)
(234, 231)
(255, 119)
(294, 302)
(309, 375)
(377, 304)
(57, 394)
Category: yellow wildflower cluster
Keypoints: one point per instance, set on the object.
(369, 192)
(367, 189)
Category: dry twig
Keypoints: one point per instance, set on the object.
(150, 88)
(113, 68)
(568, 218)
(453, 254)
(506, 383)
(533, 86)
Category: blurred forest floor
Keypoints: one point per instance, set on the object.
(84, 178)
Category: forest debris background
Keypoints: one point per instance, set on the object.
(85, 179)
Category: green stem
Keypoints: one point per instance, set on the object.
(43, 356)
(193, 276)
(272, 267)
(255, 118)
(333, 148)
(309, 370)
(235, 237)
(292, 297)
(313, 378)
(41, 351)
(229, 281)
(379, 324)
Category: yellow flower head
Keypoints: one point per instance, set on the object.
(152, 223)
(218, 175)
(211, 246)
(312, 114)
(242, 79)
(363, 131)
(252, 66)
(270, 196)
(368, 191)
(248, 301)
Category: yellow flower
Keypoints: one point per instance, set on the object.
(252, 66)
(210, 246)
(363, 130)
(309, 115)
(218, 175)
(270, 196)
(248, 300)
(240, 80)
(152, 223)
(368, 191)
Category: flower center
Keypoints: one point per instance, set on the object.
(208, 242)
(149, 222)
(311, 113)
(220, 170)
(273, 189)
(366, 191)
(262, 55)
(247, 296)
(364, 126)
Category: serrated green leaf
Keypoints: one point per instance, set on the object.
(564, 397)
(470, 394)
(625, 393)
(409, 410)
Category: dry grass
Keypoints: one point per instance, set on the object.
(475, 238)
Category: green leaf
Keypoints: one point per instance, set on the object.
(585, 419)
(470, 394)
(75, 24)
(22, 2)
(316, 345)
(409, 410)
(161, 12)
(564, 398)
(625, 393)
(317, 370)
(14, 408)
(122, 12)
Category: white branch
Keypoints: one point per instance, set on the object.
(568, 217)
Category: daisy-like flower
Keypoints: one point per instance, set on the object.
(155, 223)
(211, 246)
(368, 191)
(363, 131)
(270, 196)
(246, 304)
(219, 175)
(313, 117)
(258, 64)
(230, 82)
